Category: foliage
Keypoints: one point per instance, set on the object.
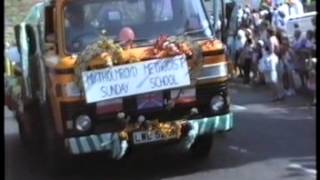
(108, 51)
(15, 11)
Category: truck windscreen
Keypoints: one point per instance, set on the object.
(85, 20)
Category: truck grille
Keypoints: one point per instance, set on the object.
(153, 108)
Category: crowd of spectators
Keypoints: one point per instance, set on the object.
(265, 54)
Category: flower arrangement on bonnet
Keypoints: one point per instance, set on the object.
(112, 53)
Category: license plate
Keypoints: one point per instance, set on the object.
(142, 137)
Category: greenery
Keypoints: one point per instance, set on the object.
(15, 11)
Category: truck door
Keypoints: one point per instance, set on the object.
(27, 45)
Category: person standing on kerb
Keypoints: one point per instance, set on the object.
(12, 53)
(13, 57)
(268, 66)
(246, 60)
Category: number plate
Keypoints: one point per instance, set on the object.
(142, 137)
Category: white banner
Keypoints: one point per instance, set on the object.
(137, 78)
(304, 21)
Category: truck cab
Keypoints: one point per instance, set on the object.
(101, 76)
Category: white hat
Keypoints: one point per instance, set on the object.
(241, 33)
(260, 42)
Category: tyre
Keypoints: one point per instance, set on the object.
(56, 159)
(201, 148)
(22, 133)
(32, 139)
(56, 162)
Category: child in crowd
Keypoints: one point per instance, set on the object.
(287, 55)
(257, 55)
(268, 66)
(273, 41)
(240, 42)
(245, 60)
(296, 43)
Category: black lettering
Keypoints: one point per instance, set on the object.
(153, 83)
(172, 80)
(114, 90)
(163, 81)
(167, 80)
(105, 91)
(134, 71)
(90, 79)
(109, 75)
(126, 73)
(149, 69)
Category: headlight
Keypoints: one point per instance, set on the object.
(217, 103)
(83, 123)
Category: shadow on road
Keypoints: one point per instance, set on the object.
(252, 140)
(264, 131)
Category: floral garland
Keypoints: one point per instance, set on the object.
(109, 51)
(178, 45)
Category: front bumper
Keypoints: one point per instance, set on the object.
(117, 146)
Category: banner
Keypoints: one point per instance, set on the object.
(136, 78)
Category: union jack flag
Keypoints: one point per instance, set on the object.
(150, 100)
(109, 106)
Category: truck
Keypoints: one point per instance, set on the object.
(111, 76)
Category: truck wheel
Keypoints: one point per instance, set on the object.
(22, 132)
(202, 146)
(56, 161)
(32, 141)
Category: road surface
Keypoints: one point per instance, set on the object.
(270, 141)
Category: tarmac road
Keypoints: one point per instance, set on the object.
(270, 141)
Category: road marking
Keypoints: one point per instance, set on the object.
(235, 148)
(307, 170)
(235, 107)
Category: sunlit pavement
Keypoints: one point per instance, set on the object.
(270, 141)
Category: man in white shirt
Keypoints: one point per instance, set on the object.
(13, 54)
(239, 44)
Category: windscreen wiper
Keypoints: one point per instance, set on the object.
(141, 40)
(196, 31)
